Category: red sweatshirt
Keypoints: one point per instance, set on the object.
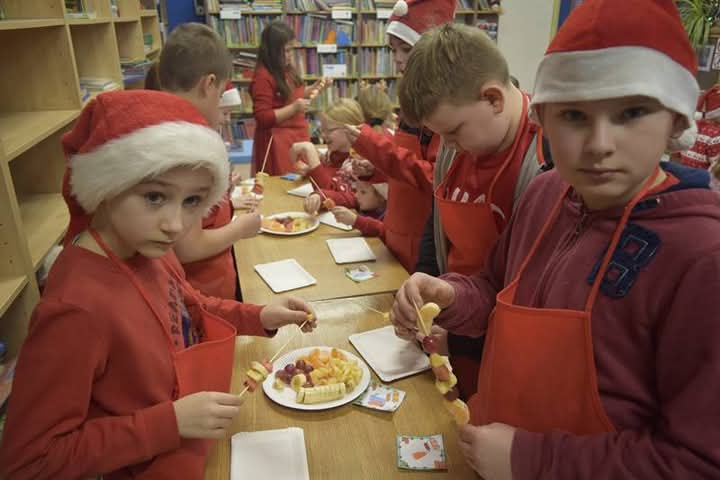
(656, 347)
(95, 381)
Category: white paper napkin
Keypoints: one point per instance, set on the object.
(350, 250)
(269, 454)
(329, 219)
(284, 275)
(388, 355)
(302, 190)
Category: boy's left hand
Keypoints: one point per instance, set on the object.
(362, 168)
(487, 449)
(344, 215)
(288, 311)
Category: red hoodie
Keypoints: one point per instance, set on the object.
(656, 347)
(95, 380)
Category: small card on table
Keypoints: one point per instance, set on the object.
(421, 453)
(381, 397)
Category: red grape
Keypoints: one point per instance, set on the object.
(452, 394)
(290, 369)
(300, 365)
(430, 344)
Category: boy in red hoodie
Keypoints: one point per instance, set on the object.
(603, 341)
(126, 367)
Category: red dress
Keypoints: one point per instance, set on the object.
(266, 98)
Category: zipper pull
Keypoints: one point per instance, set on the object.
(583, 220)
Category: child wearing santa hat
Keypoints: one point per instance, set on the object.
(126, 368)
(706, 150)
(196, 65)
(603, 341)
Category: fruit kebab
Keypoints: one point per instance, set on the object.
(446, 381)
(260, 176)
(259, 371)
(328, 203)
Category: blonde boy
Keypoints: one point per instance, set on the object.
(599, 300)
(196, 65)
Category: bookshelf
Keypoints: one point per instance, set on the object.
(355, 27)
(54, 61)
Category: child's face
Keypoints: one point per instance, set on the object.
(368, 198)
(287, 53)
(335, 136)
(478, 127)
(226, 116)
(401, 52)
(150, 217)
(607, 149)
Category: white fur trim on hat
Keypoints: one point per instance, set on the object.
(615, 72)
(382, 189)
(686, 139)
(401, 8)
(230, 98)
(122, 163)
(403, 32)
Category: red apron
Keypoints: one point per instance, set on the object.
(215, 276)
(470, 227)
(205, 366)
(538, 368)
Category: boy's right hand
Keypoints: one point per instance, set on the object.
(420, 288)
(301, 105)
(353, 132)
(206, 415)
(306, 153)
(312, 203)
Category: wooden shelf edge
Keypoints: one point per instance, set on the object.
(45, 219)
(148, 13)
(10, 288)
(125, 19)
(10, 122)
(88, 21)
(34, 23)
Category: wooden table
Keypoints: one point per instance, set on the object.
(311, 251)
(347, 442)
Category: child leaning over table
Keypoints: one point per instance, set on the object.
(603, 340)
(126, 367)
(371, 200)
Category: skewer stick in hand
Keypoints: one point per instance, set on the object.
(267, 153)
(279, 350)
(319, 190)
(421, 324)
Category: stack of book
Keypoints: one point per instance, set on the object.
(309, 63)
(78, 9)
(98, 84)
(134, 70)
(244, 65)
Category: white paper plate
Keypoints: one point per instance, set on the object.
(276, 454)
(242, 190)
(284, 275)
(315, 223)
(350, 250)
(286, 398)
(389, 356)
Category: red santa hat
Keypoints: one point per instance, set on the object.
(412, 18)
(124, 137)
(231, 96)
(618, 48)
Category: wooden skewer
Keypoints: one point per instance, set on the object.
(319, 190)
(274, 357)
(371, 309)
(267, 153)
(421, 324)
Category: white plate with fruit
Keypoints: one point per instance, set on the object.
(316, 378)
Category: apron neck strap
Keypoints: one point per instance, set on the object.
(513, 149)
(131, 276)
(616, 237)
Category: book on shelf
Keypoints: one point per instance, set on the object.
(244, 31)
(313, 29)
(464, 4)
(78, 9)
(244, 64)
(6, 379)
(98, 84)
(147, 4)
(114, 10)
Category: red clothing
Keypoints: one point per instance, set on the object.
(655, 332)
(95, 380)
(706, 150)
(408, 166)
(370, 227)
(215, 276)
(471, 179)
(266, 99)
(334, 178)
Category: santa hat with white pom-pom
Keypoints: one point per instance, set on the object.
(412, 18)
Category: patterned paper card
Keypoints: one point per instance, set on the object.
(381, 397)
(421, 453)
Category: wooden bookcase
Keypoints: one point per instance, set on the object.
(363, 15)
(44, 53)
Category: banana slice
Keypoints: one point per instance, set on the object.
(428, 312)
(321, 394)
